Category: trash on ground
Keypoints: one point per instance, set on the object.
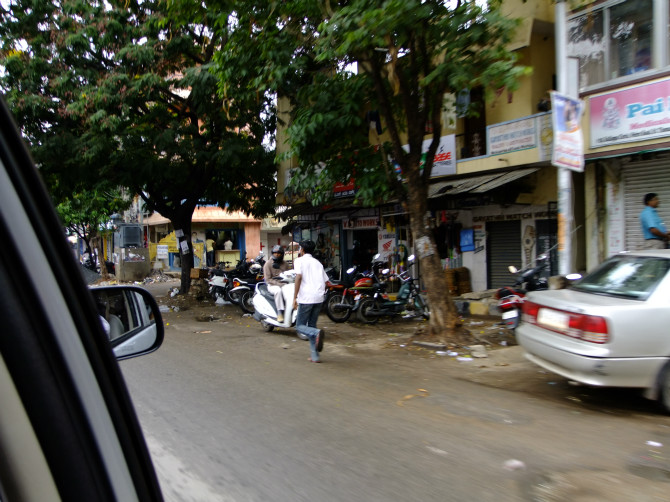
(654, 443)
(464, 358)
(478, 351)
(514, 465)
(451, 353)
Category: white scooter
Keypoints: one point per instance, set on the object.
(265, 309)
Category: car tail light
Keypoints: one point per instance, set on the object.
(530, 310)
(589, 328)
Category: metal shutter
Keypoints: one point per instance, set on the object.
(503, 248)
(640, 178)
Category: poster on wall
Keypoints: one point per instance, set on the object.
(162, 252)
(568, 151)
(467, 240)
(386, 245)
(615, 219)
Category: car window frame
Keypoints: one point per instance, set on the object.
(62, 364)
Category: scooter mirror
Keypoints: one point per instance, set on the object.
(410, 257)
(512, 269)
(543, 256)
(351, 270)
(573, 277)
(375, 257)
(386, 271)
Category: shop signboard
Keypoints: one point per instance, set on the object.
(636, 114)
(445, 156)
(512, 136)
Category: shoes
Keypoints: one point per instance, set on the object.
(313, 361)
(319, 340)
(280, 317)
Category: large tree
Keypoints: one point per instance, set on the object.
(121, 91)
(410, 53)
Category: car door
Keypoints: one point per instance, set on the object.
(68, 430)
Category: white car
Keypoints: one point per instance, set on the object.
(610, 329)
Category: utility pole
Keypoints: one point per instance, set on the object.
(564, 182)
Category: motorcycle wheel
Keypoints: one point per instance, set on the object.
(216, 294)
(267, 326)
(421, 304)
(335, 314)
(363, 311)
(235, 297)
(245, 302)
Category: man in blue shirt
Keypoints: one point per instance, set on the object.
(653, 230)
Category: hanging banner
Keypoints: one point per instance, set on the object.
(568, 148)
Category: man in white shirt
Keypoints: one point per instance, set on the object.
(310, 289)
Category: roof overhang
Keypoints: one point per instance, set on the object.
(476, 184)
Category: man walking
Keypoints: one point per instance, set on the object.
(310, 289)
(653, 230)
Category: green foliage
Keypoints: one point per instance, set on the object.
(410, 53)
(120, 92)
(86, 213)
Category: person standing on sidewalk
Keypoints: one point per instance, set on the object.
(653, 230)
(310, 289)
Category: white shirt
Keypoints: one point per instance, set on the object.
(313, 279)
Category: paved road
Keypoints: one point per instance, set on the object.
(235, 414)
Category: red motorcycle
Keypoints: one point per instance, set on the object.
(342, 296)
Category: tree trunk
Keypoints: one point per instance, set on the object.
(182, 221)
(443, 314)
(101, 258)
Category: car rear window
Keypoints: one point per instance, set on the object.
(628, 276)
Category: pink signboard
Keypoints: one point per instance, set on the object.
(636, 114)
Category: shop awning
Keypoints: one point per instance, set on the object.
(477, 184)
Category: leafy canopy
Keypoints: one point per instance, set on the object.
(121, 92)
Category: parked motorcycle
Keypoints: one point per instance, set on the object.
(243, 290)
(511, 299)
(410, 302)
(344, 297)
(265, 309)
(221, 281)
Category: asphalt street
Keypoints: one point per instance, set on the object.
(232, 413)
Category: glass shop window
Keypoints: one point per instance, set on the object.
(612, 42)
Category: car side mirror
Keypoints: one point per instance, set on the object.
(130, 318)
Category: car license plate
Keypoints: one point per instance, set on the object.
(510, 314)
(553, 319)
